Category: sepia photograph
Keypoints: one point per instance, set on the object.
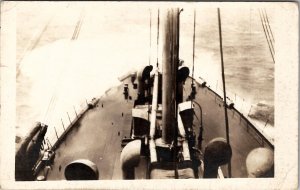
(113, 95)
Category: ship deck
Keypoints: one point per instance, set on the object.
(98, 134)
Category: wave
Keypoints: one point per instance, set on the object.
(59, 78)
(263, 111)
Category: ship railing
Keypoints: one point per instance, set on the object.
(59, 127)
(245, 110)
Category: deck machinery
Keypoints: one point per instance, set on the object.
(159, 123)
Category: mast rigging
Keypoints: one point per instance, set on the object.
(157, 38)
(224, 88)
(267, 35)
(194, 47)
(150, 39)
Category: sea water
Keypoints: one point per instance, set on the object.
(59, 75)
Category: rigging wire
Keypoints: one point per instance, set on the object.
(53, 101)
(48, 108)
(268, 33)
(157, 38)
(193, 68)
(150, 39)
(148, 91)
(261, 19)
(52, 106)
(194, 47)
(266, 15)
(224, 89)
(175, 48)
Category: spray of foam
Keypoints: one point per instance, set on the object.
(61, 76)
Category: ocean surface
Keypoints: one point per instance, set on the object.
(68, 53)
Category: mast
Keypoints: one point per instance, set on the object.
(169, 73)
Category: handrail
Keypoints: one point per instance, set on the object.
(255, 125)
(240, 103)
(59, 137)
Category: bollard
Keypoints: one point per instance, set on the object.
(260, 163)
(217, 152)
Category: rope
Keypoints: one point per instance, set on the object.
(193, 68)
(78, 26)
(261, 19)
(148, 90)
(50, 108)
(150, 40)
(157, 39)
(266, 15)
(268, 33)
(173, 30)
(53, 99)
(224, 89)
(194, 47)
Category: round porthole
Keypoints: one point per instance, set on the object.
(81, 170)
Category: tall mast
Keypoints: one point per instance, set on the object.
(169, 69)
